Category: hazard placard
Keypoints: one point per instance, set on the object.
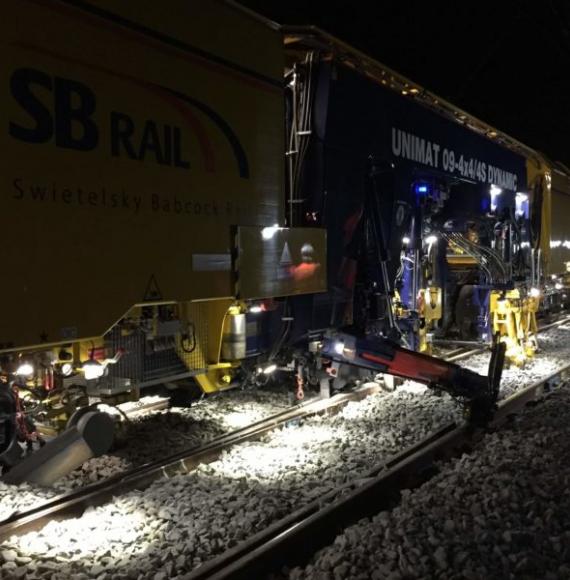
(152, 292)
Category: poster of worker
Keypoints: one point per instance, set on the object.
(274, 261)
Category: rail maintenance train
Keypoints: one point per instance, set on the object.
(159, 222)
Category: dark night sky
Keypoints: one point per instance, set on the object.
(507, 62)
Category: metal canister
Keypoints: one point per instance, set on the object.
(234, 341)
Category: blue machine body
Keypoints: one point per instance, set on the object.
(438, 175)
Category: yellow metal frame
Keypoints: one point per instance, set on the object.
(514, 319)
(430, 309)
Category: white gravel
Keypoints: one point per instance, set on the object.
(147, 436)
(179, 523)
(499, 512)
(554, 353)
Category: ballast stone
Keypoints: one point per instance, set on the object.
(494, 518)
(250, 486)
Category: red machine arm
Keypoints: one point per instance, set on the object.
(383, 356)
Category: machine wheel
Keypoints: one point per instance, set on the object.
(466, 313)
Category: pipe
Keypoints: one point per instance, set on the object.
(92, 436)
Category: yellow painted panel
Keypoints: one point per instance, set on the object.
(128, 157)
(560, 235)
(211, 26)
(539, 180)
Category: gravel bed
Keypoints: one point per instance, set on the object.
(146, 437)
(500, 512)
(179, 523)
(554, 353)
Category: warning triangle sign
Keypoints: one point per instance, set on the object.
(152, 291)
(285, 256)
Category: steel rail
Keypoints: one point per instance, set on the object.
(556, 323)
(460, 354)
(466, 353)
(74, 503)
(294, 539)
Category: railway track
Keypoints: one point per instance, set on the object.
(295, 538)
(75, 503)
(464, 352)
